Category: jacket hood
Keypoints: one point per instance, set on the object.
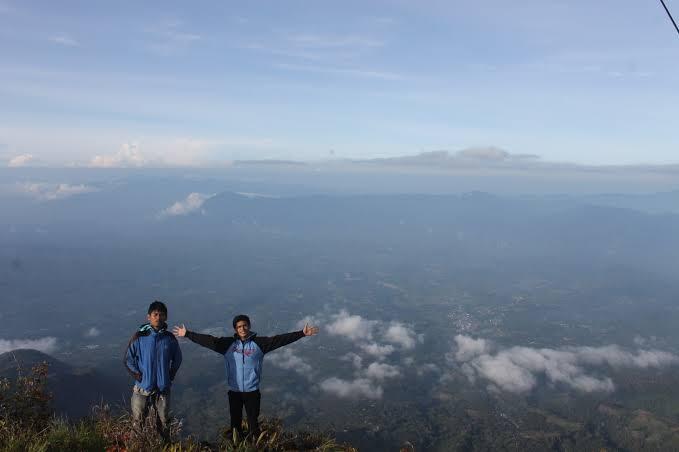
(147, 328)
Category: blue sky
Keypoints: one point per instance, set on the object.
(178, 83)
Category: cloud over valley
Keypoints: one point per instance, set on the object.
(519, 369)
(376, 356)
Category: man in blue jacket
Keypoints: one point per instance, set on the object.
(153, 358)
(243, 355)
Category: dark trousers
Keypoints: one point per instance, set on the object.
(251, 401)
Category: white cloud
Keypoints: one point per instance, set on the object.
(400, 334)
(427, 369)
(92, 332)
(351, 326)
(615, 356)
(367, 378)
(468, 347)
(192, 203)
(198, 152)
(382, 371)
(20, 160)
(64, 40)
(51, 192)
(45, 344)
(517, 369)
(366, 382)
(354, 327)
(355, 359)
(128, 156)
(352, 389)
(289, 360)
(377, 350)
(177, 152)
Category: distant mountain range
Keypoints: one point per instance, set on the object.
(478, 221)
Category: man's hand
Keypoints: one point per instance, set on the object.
(179, 331)
(310, 330)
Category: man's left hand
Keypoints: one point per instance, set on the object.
(310, 330)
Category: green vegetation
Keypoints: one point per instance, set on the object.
(27, 424)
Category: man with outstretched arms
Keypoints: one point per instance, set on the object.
(243, 354)
(153, 358)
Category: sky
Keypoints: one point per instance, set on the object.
(200, 84)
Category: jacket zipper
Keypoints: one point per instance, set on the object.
(243, 350)
(154, 377)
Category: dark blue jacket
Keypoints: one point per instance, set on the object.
(243, 359)
(153, 358)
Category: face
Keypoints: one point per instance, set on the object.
(242, 329)
(157, 319)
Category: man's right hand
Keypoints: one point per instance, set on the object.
(179, 331)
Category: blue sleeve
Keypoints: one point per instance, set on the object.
(132, 358)
(176, 359)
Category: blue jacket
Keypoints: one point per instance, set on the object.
(153, 358)
(243, 359)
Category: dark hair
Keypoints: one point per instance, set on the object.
(240, 317)
(158, 306)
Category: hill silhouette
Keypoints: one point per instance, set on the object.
(74, 390)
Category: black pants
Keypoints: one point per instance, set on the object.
(251, 401)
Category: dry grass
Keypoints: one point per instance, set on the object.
(27, 425)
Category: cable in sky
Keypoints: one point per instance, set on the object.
(670, 15)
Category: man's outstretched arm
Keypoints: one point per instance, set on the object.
(218, 344)
(269, 344)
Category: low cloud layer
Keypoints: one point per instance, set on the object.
(351, 326)
(53, 192)
(377, 350)
(92, 332)
(355, 327)
(466, 158)
(366, 382)
(179, 152)
(352, 389)
(128, 156)
(375, 342)
(289, 359)
(382, 371)
(400, 334)
(490, 157)
(45, 344)
(193, 202)
(518, 369)
(20, 160)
